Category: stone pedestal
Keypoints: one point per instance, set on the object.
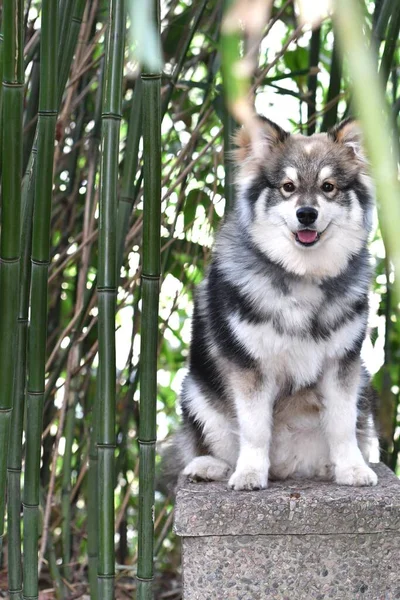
(297, 540)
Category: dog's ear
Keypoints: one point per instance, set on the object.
(264, 137)
(348, 132)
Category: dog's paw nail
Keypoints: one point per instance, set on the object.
(357, 475)
(248, 480)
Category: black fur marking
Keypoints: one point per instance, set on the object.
(358, 265)
(234, 299)
(259, 185)
(229, 345)
(364, 198)
(278, 276)
(202, 364)
(323, 331)
(352, 355)
(196, 427)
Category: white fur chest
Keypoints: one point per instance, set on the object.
(283, 356)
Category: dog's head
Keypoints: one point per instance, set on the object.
(306, 202)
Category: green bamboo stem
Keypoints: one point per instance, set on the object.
(313, 80)
(71, 34)
(40, 264)
(12, 110)
(107, 287)
(391, 43)
(93, 505)
(198, 13)
(1, 98)
(64, 22)
(66, 533)
(331, 115)
(31, 109)
(131, 159)
(15, 447)
(375, 121)
(382, 21)
(128, 189)
(149, 327)
(229, 130)
(53, 568)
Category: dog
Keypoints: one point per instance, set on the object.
(276, 387)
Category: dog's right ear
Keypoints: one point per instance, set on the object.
(348, 133)
(260, 141)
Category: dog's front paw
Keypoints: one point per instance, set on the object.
(358, 474)
(207, 468)
(248, 479)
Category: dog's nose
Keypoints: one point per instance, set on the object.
(307, 215)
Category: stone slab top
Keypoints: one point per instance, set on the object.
(291, 507)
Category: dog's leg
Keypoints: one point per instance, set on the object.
(339, 388)
(254, 409)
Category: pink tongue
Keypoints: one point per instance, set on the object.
(307, 236)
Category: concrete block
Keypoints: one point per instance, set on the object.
(297, 540)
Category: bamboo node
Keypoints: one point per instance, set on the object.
(111, 115)
(150, 277)
(47, 113)
(148, 76)
(15, 85)
(100, 445)
(9, 261)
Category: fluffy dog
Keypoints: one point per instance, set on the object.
(276, 387)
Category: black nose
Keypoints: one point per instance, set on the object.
(307, 215)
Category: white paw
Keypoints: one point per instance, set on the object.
(248, 479)
(207, 468)
(357, 474)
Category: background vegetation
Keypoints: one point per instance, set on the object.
(302, 83)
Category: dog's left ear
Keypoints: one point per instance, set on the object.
(259, 141)
(348, 133)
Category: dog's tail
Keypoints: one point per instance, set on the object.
(171, 464)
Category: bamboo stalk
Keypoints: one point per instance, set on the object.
(375, 122)
(229, 130)
(31, 109)
(26, 240)
(92, 503)
(15, 448)
(1, 96)
(107, 287)
(391, 43)
(66, 533)
(40, 265)
(313, 79)
(12, 111)
(198, 13)
(131, 159)
(149, 325)
(331, 115)
(70, 34)
(382, 21)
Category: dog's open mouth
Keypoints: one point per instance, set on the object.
(307, 237)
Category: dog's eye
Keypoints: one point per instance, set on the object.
(327, 187)
(288, 187)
